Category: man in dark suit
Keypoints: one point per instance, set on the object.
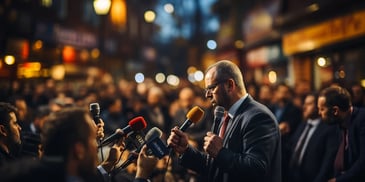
(288, 116)
(249, 149)
(334, 104)
(313, 146)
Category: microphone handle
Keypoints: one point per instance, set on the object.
(110, 139)
(127, 162)
(185, 125)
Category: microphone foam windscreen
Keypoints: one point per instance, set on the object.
(95, 108)
(153, 133)
(219, 111)
(195, 114)
(137, 123)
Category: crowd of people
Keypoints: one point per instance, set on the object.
(268, 133)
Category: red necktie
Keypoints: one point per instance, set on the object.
(339, 161)
(224, 126)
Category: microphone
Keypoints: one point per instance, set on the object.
(95, 112)
(218, 115)
(155, 146)
(135, 124)
(193, 116)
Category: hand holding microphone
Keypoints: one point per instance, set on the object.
(212, 136)
(178, 140)
(145, 164)
(95, 113)
(155, 146)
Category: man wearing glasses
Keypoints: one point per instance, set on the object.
(246, 145)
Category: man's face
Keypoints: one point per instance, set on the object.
(310, 108)
(282, 93)
(14, 127)
(326, 113)
(214, 90)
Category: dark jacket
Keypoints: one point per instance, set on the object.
(251, 149)
(319, 155)
(355, 159)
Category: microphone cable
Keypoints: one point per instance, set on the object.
(166, 166)
(119, 158)
(101, 150)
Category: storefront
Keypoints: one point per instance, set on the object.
(328, 52)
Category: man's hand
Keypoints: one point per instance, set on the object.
(100, 130)
(178, 140)
(114, 154)
(145, 164)
(212, 144)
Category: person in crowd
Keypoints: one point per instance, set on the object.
(23, 110)
(112, 114)
(302, 87)
(357, 95)
(288, 116)
(265, 95)
(31, 138)
(335, 107)
(314, 146)
(156, 112)
(247, 145)
(10, 140)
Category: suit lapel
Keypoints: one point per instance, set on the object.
(234, 121)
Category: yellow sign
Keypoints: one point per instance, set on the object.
(325, 33)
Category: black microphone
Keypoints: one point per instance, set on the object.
(153, 149)
(135, 124)
(218, 115)
(95, 112)
(156, 146)
(193, 116)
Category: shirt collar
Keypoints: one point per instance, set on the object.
(314, 122)
(232, 111)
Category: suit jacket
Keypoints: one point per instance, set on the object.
(251, 149)
(319, 155)
(355, 159)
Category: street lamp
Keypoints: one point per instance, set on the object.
(102, 7)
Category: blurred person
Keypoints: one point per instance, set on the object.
(23, 110)
(31, 133)
(10, 140)
(288, 116)
(59, 103)
(314, 146)
(357, 95)
(265, 95)
(156, 112)
(335, 108)
(112, 114)
(252, 89)
(302, 87)
(250, 147)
